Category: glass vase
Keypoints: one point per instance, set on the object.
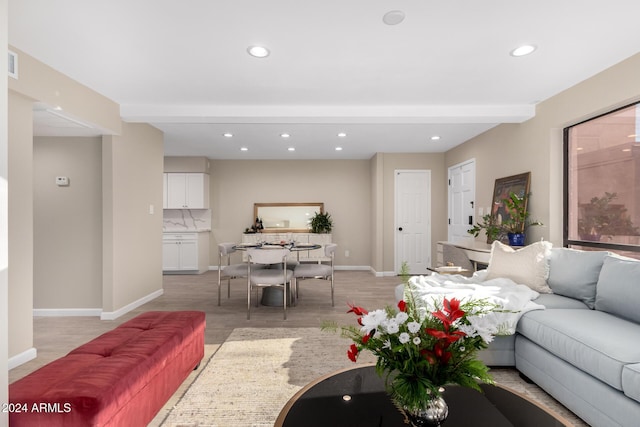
(433, 414)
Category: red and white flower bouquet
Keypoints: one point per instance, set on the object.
(424, 345)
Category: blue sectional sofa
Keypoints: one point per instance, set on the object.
(584, 348)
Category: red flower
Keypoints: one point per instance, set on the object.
(402, 306)
(452, 307)
(352, 353)
(451, 313)
(357, 310)
(365, 338)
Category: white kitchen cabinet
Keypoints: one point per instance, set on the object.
(185, 252)
(187, 190)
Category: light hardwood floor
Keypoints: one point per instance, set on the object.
(56, 336)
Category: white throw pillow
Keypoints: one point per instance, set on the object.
(527, 266)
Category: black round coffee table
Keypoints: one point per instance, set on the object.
(355, 397)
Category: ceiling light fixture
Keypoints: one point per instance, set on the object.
(338, 148)
(227, 135)
(291, 149)
(435, 138)
(258, 51)
(393, 17)
(523, 50)
(342, 135)
(285, 135)
(244, 149)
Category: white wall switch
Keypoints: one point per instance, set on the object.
(152, 210)
(62, 181)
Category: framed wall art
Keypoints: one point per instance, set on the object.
(519, 184)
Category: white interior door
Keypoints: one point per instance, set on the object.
(462, 194)
(413, 220)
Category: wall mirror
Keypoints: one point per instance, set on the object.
(286, 217)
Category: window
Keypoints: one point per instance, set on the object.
(602, 183)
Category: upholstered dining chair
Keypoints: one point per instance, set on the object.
(258, 276)
(456, 256)
(317, 270)
(226, 270)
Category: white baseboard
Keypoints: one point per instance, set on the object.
(21, 358)
(353, 267)
(112, 315)
(60, 312)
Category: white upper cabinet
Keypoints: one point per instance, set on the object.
(187, 191)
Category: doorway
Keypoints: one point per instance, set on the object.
(413, 220)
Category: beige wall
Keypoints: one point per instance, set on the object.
(130, 184)
(67, 224)
(132, 166)
(44, 84)
(343, 186)
(536, 145)
(20, 224)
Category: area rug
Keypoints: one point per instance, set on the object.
(257, 370)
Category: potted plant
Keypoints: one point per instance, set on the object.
(321, 222)
(601, 218)
(490, 226)
(518, 220)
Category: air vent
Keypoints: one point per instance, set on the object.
(13, 65)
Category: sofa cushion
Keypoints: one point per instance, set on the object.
(526, 266)
(559, 301)
(591, 340)
(574, 273)
(618, 289)
(631, 381)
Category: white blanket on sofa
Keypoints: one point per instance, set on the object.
(515, 299)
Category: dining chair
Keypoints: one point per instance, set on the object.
(318, 270)
(228, 271)
(457, 256)
(259, 276)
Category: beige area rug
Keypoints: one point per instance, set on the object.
(256, 371)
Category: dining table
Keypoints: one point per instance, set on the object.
(272, 296)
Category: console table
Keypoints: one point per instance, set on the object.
(355, 397)
(478, 253)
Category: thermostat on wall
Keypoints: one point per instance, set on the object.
(62, 180)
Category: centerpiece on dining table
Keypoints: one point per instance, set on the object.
(423, 345)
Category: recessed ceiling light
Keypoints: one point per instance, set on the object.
(435, 138)
(291, 149)
(342, 134)
(338, 148)
(285, 135)
(227, 135)
(523, 50)
(258, 51)
(393, 17)
(244, 149)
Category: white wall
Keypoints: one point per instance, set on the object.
(4, 201)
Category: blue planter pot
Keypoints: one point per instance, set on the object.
(516, 239)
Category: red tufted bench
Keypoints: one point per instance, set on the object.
(121, 378)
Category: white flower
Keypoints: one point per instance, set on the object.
(372, 320)
(485, 326)
(401, 317)
(417, 340)
(386, 344)
(404, 338)
(413, 327)
(392, 326)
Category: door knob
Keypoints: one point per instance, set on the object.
(399, 228)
